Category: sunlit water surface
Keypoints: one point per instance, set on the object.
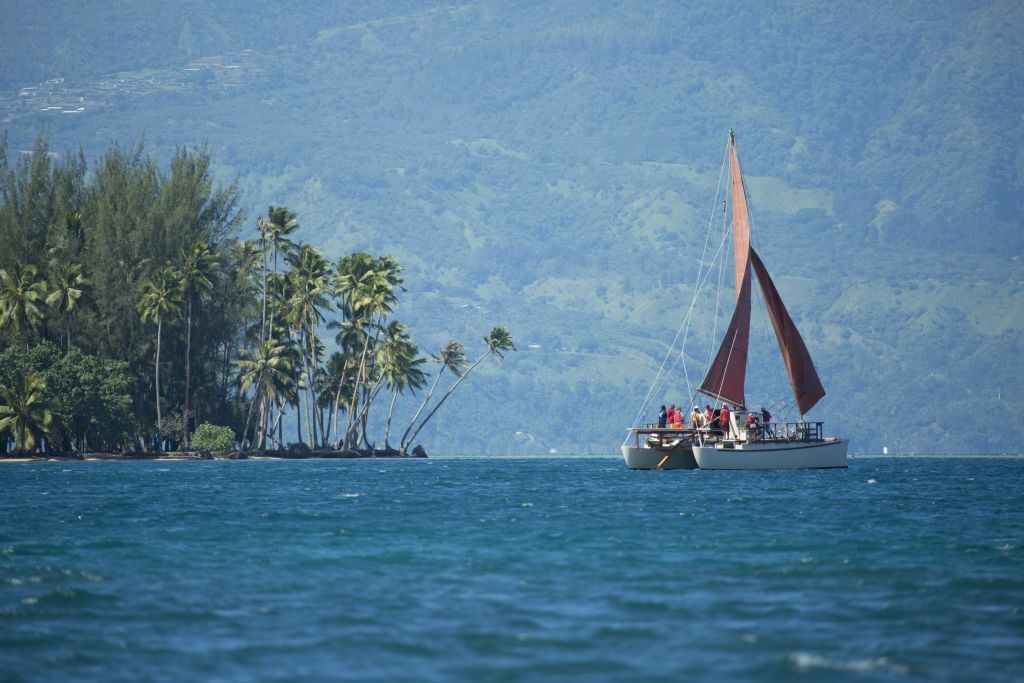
(497, 569)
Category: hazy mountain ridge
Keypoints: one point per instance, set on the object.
(556, 166)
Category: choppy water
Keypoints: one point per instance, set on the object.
(510, 570)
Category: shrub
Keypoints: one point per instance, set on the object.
(210, 437)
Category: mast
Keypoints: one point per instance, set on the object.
(727, 374)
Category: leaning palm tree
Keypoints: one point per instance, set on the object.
(25, 411)
(159, 301)
(451, 357)
(268, 369)
(498, 342)
(67, 284)
(21, 296)
(196, 279)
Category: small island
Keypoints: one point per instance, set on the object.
(136, 323)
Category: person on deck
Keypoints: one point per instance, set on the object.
(672, 415)
(695, 421)
(662, 418)
(723, 419)
(678, 419)
(752, 423)
(766, 419)
(708, 416)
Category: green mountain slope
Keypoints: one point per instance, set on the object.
(553, 167)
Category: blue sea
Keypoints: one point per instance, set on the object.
(510, 569)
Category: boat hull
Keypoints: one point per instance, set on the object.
(679, 458)
(773, 455)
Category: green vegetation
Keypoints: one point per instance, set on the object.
(213, 438)
(24, 411)
(177, 321)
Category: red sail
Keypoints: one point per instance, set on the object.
(740, 218)
(727, 373)
(806, 386)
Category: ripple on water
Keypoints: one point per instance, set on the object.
(500, 569)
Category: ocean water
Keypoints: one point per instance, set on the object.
(502, 569)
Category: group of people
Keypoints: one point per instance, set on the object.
(672, 417)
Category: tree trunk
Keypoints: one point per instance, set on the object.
(337, 404)
(308, 395)
(263, 319)
(188, 369)
(352, 420)
(446, 395)
(437, 378)
(317, 413)
(391, 412)
(252, 404)
(156, 372)
(262, 425)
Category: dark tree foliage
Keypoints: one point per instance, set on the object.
(130, 309)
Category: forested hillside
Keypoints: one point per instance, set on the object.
(552, 167)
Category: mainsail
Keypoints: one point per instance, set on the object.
(727, 374)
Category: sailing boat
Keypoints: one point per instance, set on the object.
(735, 445)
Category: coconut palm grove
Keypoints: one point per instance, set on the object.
(134, 319)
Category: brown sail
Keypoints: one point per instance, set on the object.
(802, 376)
(740, 218)
(727, 374)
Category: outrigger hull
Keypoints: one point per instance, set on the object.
(772, 455)
(679, 458)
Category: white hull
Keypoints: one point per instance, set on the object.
(679, 458)
(772, 455)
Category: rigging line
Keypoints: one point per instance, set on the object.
(700, 286)
(700, 269)
(685, 324)
(718, 296)
(702, 278)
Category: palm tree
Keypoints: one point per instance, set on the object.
(498, 342)
(399, 361)
(197, 275)
(342, 371)
(366, 286)
(67, 283)
(159, 301)
(25, 411)
(310, 285)
(274, 230)
(20, 298)
(338, 380)
(268, 369)
(451, 357)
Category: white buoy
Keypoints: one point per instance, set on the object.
(885, 450)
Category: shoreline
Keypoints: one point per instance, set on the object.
(361, 455)
(289, 454)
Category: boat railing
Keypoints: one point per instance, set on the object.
(662, 436)
(803, 431)
(775, 431)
